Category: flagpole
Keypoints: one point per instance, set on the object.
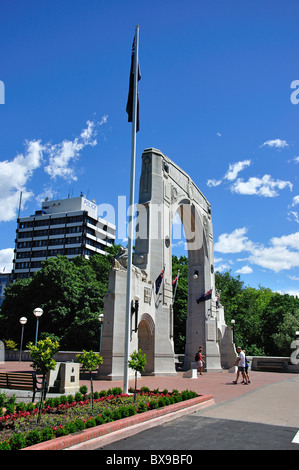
(176, 286)
(131, 215)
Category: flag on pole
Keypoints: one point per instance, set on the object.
(159, 280)
(175, 282)
(205, 296)
(129, 108)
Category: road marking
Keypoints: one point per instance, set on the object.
(296, 438)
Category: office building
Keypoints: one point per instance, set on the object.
(68, 227)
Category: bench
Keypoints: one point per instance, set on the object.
(271, 365)
(20, 381)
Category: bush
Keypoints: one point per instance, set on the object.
(46, 434)
(83, 389)
(145, 390)
(80, 425)
(17, 442)
(21, 406)
(30, 407)
(153, 404)
(117, 391)
(90, 423)
(2, 399)
(33, 437)
(142, 407)
(78, 396)
(4, 446)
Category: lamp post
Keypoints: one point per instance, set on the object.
(23, 321)
(233, 326)
(38, 313)
(101, 319)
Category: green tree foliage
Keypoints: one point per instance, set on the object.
(180, 306)
(89, 361)
(137, 363)
(71, 294)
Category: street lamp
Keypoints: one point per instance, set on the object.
(101, 319)
(233, 325)
(38, 313)
(23, 321)
(134, 309)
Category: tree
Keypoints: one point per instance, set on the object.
(180, 306)
(71, 294)
(90, 361)
(42, 361)
(137, 363)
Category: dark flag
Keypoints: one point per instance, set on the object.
(159, 280)
(205, 296)
(174, 282)
(218, 302)
(129, 108)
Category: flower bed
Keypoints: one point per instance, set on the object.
(68, 414)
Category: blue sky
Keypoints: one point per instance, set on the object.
(216, 97)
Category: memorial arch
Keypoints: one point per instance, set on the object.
(164, 190)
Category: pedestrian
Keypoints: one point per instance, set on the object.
(246, 367)
(200, 360)
(240, 362)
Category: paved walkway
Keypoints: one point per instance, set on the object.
(218, 384)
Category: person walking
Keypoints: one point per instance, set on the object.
(200, 360)
(240, 362)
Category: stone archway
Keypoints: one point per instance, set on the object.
(164, 190)
(146, 341)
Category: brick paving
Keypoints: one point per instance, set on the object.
(217, 384)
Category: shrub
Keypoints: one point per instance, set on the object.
(63, 400)
(5, 446)
(142, 407)
(30, 407)
(153, 404)
(90, 423)
(83, 389)
(21, 406)
(2, 399)
(70, 399)
(80, 425)
(33, 437)
(117, 391)
(78, 396)
(46, 434)
(17, 441)
(144, 390)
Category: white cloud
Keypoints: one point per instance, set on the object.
(234, 242)
(265, 186)
(245, 270)
(296, 159)
(293, 215)
(281, 254)
(235, 168)
(14, 176)
(64, 154)
(213, 183)
(6, 257)
(58, 159)
(276, 143)
(295, 201)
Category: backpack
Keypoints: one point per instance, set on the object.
(196, 357)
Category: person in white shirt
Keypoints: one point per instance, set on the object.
(241, 363)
